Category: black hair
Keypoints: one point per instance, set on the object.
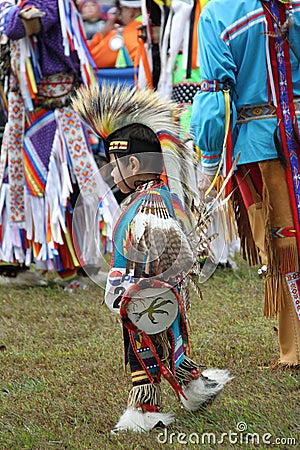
(146, 146)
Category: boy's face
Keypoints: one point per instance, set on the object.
(122, 171)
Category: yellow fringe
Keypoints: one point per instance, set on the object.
(227, 123)
(145, 393)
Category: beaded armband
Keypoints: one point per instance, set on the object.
(213, 86)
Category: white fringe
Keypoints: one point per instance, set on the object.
(202, 391)
(135, 420)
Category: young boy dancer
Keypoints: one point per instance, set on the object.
(152, 256)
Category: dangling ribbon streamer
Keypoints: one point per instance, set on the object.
(227, 123)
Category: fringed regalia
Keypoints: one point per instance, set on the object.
(264, 133)
(141, 229)
(279, 209)
(153, 256)
(46, 158)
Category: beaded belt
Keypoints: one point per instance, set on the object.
(55, 91)
(259, 112)
(249, 112)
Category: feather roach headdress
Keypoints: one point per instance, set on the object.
(108, 108)
(111, 107)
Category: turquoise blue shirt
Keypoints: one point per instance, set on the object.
(232, 46)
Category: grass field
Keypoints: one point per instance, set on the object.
(62, 384)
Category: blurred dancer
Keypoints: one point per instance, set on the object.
(45, 156)
(116, 45)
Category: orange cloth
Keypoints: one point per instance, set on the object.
(100, 49)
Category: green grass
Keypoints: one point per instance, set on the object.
(62, 384)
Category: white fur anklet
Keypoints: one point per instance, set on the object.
(136, 420)
(204, 389)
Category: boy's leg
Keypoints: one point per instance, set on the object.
(144, 400)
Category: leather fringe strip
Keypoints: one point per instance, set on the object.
(184, 372)
(149, 394)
